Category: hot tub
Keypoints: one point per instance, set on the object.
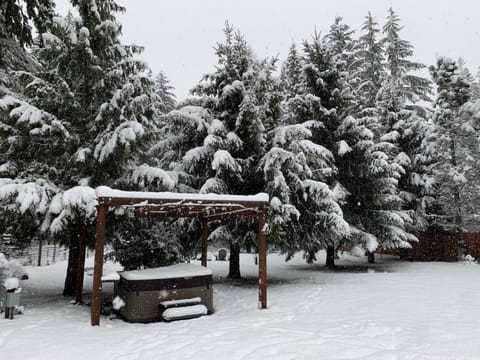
(145, 291)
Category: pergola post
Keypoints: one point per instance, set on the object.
(262, 261)
(98, 266)
(204, 242)
(81, 262)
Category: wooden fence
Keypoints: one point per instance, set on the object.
(434, 247)
(473, 244)
(37, 254)
(442, 247)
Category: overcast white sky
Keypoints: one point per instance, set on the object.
(179, 35)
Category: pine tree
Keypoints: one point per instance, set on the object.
(454, 138)
(93, 94)
(403, 121)
(300, 166)
(399, 67)
(291, 72)
(24, 128)
(164, 92)
(241, 98)
(372, 206)
(359, 203)
(16, 18)
(121, 118)
(369, 65)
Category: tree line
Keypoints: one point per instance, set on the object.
(354, 147)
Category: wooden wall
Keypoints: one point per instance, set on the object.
(443, 247)
(437, 247)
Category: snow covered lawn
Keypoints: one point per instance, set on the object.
(393, 310)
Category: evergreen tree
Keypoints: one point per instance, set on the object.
(291, 72)
(28, 134)
(403, 121)
(145, 243)
(188, 127)
(241, 99)
(164, 92)
(93, 94)
(360, 202)
(399, 67)
(342, 50)
(455, 139)
(372, 206)
(16, 18)
(300, 166)
(369, 64)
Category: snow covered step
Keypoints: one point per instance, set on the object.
(184, 312)
(181, 302)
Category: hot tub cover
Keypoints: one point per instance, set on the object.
(167, 272)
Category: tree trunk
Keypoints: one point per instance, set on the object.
(371, 257)
(70, 286)
(330, 263)
(39, 262)
(234, 265)
(81, 262)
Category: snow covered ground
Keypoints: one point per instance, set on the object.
(393, 310)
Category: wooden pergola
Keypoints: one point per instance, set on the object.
(206, 207)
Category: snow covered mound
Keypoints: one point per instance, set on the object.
(11, 268)
(118, 303)
(11, 284)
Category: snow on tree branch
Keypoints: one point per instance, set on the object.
(65, 205)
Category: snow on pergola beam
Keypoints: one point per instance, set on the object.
(120, 197)
(206, 207)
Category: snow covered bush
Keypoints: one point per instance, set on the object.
(10, 268)
(469, 260)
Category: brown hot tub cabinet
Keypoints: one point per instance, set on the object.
(148, 293)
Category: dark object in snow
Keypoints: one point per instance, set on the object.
(23, 276)
(149, 293)
(222, 254)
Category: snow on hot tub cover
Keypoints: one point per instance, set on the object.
(106, 192)
(167, 272)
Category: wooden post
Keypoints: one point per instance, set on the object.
(98, 267)
(81, 262)
(204, 242)
(39, 263)
(262, 262)
(47, 255)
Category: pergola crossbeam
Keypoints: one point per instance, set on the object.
(233, 214)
